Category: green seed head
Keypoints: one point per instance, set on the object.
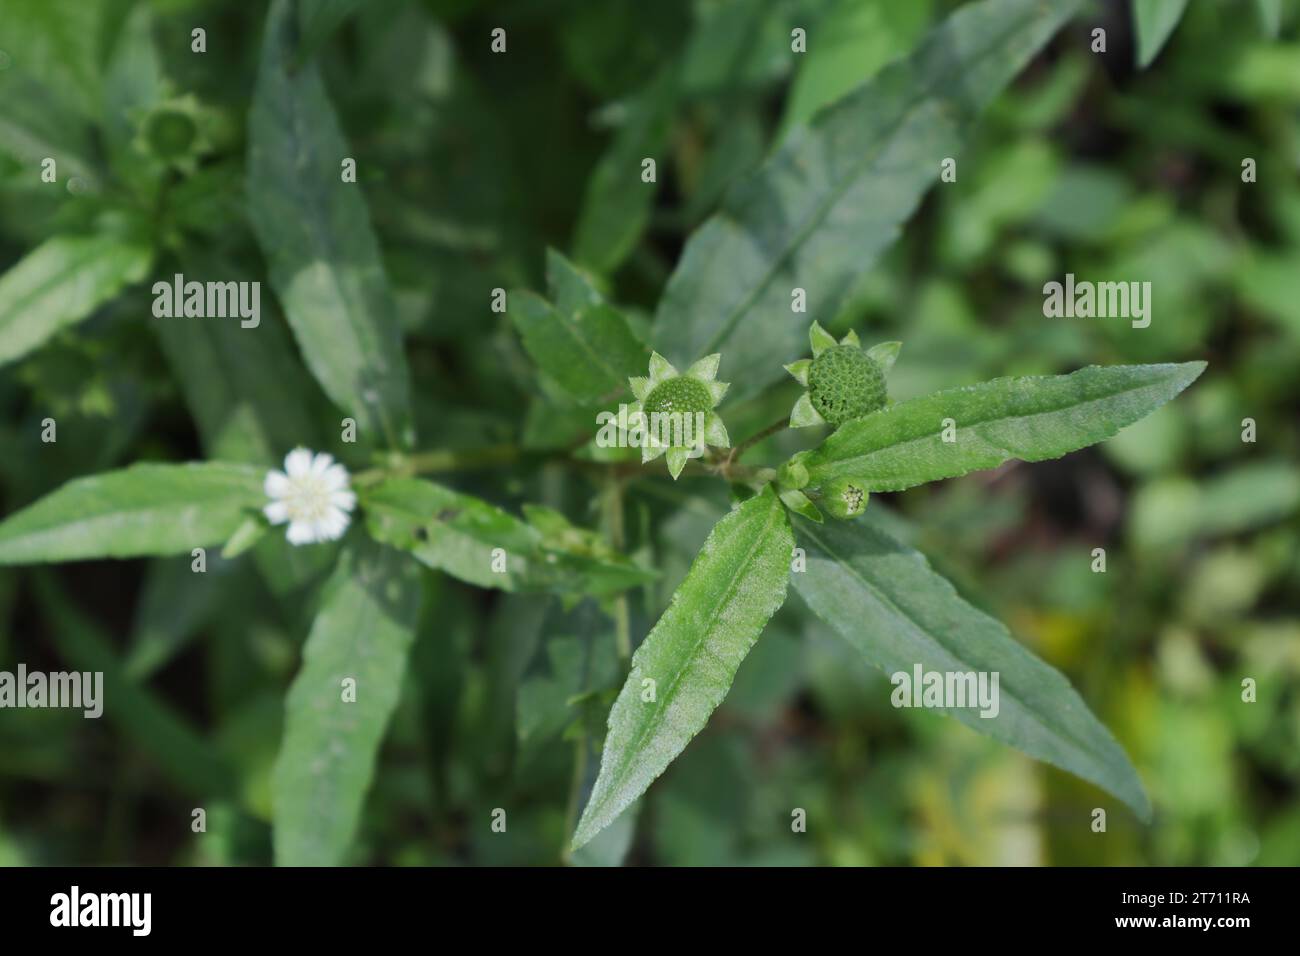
(171, 133)
(844, 498)
(683, 395)
(844, 384)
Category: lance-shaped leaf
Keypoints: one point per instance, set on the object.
(589, 354)
(315, 232)
(616, 207)
(333, 730)
(886, 601)
(462, 535)
(822, 208)
(980, 426)
(144, 509)
(684, 668)
(1154, 21)
(477, 542)
(61, 282)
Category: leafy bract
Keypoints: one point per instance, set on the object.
(315, 232)
(686, 665)
(819, 211)
(1031, 418)
(60, 282)
(885, 600)
(362, 633)
(141, 510)
(1154, 21)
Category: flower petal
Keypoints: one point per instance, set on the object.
(851, 338)
(706, 369)
(276, 484)
(301, 532)
(332, 526)
(717, 390)
(803, 414)
(799, 370)
(336, 477)
(344, 500)
(277, 512)
(649, 452)
(297, 463)
(321, 463)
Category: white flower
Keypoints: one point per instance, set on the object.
(312, 495)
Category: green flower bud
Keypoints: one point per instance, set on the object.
(844, 498)
(792, 475)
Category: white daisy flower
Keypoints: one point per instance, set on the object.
(311, 494)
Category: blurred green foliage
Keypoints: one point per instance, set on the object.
(472, 164)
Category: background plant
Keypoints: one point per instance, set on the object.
(470, 167)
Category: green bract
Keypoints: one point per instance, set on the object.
(843, 382)
(674, 414)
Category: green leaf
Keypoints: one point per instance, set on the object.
(1154, 21)
(141, 510)
(451, 532)
(318, 19)
(1030, 418)
(471, 539)
(315, 232)
(616, 206)
(245, 387)
(733, 588)
(886, 601)
(1270, 16)
(57, 43)
(61, 282)
(820, 210)
(850, 43)
(190, 761)
(589, 354)
(362, 632)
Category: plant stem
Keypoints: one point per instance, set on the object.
(441, 460)
(751, 441)
(612, 504)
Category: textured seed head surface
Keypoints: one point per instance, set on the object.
(844, 384)
(845, 498)
(681, 394)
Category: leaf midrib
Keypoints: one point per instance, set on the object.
(656, 718)
(934, 642)
(978, 421)
(822, 209)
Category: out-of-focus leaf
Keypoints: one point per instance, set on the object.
(244, 386)
(144, 509)
(617, 203)
(1270, 16)
(362, 633)
(1154, 21)
(689, 659)
(60, 282)
(851, 41)
(56, 42)
(822, 208)
(191, 763)
(1031, 418)
(317, 21)
(315, 232)
(1171, 511)
(883, 598)
(589, 354)
(477, 542)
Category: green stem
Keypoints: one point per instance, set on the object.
(440, 460)
(613, 515)
(751, 441)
